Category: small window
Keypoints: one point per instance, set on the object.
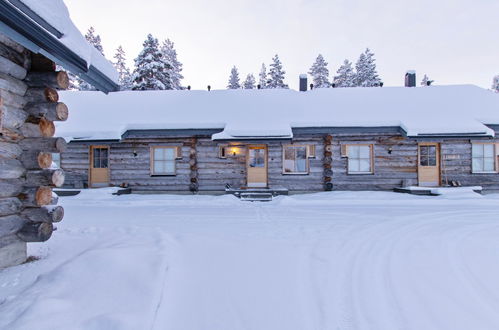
(163, 160)
(428, 155)
(483, 157)
(295, 159)
(222, 151)
(359, 159)
(100, 156)
(56, 159)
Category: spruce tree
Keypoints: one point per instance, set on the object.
(249, 82)
(366, 74)
(276, 74)
(426, 81)
(320, 73)
(234, 79)
(262, 77)
(151, 71)
(495, 84)
(125, 78)
(345, 76)
(170, 55)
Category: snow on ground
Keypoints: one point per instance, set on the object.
(340, 260)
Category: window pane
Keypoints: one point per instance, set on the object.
(256, 158)
(289, 153)
(432, 161)
(364, 165)
(170, 153)
(477, 150)
(301, 153)
(364, 151)
(353, 151)
(488, 150)
(423, 160)
(169, 167)
(477, 164)
(432, 151)
(301, 165)
(96, 154)
(353, 165)
(289, 166)
(159, 154)
(488, 164)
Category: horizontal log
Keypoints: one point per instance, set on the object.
(12, 99)
(36, 197)
(47, 177)
(54, 200)
(44, 128)
(35, 231)
(14, 46)
(11, 224)
(11, 187)
(52, 111)
(13, 118)
(11, 169)
(40, 63)
(55, 79)
(55, 145)
(10, 150)
(12, 84)
(44, 214)
(37, 95)
(9, 52)
(12, 69)
(10, 205)
(35, 160)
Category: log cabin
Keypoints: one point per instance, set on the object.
(283, 141)
(34, 37)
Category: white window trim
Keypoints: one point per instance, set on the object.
(494, 158)
(306, 159)
(175, 150)
(371, 158)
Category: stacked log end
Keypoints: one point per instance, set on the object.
(194, 185)
(29, 106)
(328, 161)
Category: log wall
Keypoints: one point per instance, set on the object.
(28, 106)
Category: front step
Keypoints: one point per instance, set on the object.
(256, 196)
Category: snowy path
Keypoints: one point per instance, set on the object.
(334, 261)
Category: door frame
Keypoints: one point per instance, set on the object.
(438, 161)
(91, 162)
(266, 160)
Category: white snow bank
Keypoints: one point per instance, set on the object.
(273, 113)
(56, 14)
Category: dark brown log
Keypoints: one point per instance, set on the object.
(48, 177)
(194, 180)
(44, 214)
(56, 145)
(44, 128)
(35, 197)
(12, 54)
(327, 165)
(11, 224)
(52, 111)
(10, 150)
(11, 168)
(328, 139)
(12, 84)
(13, 118)
(37, 95)
(327, 179)
(12, 99)
(35, 160)
(11, 188)
(57, 80)
(12, 69)
(10, 205)
(35, 231)
(328, 154)
(40, 63)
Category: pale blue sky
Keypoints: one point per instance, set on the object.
(453, 41)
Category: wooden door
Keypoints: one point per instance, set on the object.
(429, 164)
(99, 166)
(256, 165)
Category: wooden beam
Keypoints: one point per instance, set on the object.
(11, 169)
(47, 177)
(35, 231)
(11, 188)
(10, 150)
(44, 214)
(35, 160)
(11, 224)
(55, 145)
(57, 79)
(12, 84)
(36, 197)
(52, 111)
(46, 94)
(40, 63)
(44, 128)
(10, 205)
(12, 69)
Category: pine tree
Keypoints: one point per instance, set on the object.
(366, 74)
(234, 79)
(170, 55)
(94, 40)
(320, 73)
(151, 71)
(495, 84)
(250, 82)
(426, 81)
(125, 78)
(345, 75)
(262, 77)
(276, 74)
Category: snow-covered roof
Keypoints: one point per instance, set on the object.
(45, 26)
(272, 113)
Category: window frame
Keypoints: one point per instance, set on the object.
(174, 160)
(307, 159)
(371, 158)
(494, 157)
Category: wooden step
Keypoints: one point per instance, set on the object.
(256, 196)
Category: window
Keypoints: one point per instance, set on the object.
(295, 159)
(222, 151)
(482, 157)
(163, 160)
(428, 155)
(359, 159)
(100, 156)
(56, 159)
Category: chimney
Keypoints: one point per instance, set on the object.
(303, 83)
(209, 88)
(189, 87)
(410, 78)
